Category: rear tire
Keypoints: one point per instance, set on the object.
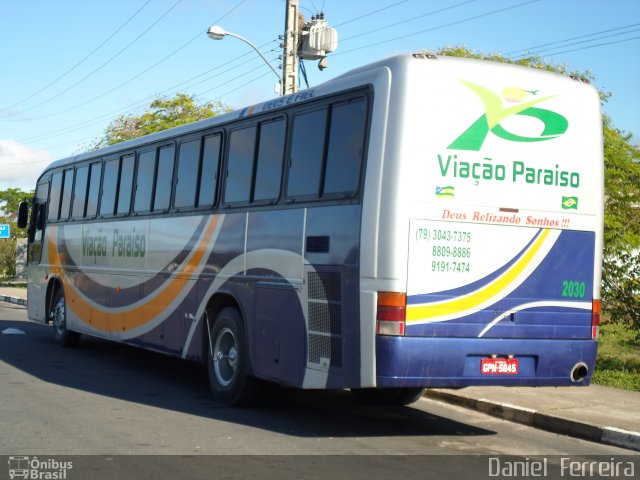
(228, 361)
(58, 315)
(387, 396)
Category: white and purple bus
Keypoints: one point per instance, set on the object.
(422, 221)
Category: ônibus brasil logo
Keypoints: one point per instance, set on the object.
(474, 136)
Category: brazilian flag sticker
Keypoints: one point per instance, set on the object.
(444, 192)
(570, 203)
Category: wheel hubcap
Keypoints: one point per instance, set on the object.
(57, 315)
(225, 357)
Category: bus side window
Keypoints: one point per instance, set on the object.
(80, 192)
(144, 181)
(209, 171)
(39, 222)
(187, 176)
(109, 186)
(54, 197)
(126, 182)
(242, 146)
(307, 146)
(164, 180)
(346, 144)
(94, 190)
(269, 161)
(67, 188)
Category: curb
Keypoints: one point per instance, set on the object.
(15, 300)
(527, 416)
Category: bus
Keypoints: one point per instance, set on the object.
(422, 221)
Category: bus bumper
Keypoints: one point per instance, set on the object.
(456, 362)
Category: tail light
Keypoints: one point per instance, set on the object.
(391, 313)
(595, 319)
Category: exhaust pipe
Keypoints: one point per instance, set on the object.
(579, 372)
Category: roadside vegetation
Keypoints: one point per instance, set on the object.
(618, 362)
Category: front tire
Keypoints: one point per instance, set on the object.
(228, 361)
(58, 315)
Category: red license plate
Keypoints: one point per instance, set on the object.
(499, 366)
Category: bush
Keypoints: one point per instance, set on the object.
(8, 257)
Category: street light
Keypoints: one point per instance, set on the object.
(216, 32)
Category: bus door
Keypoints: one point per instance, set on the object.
(35, 239)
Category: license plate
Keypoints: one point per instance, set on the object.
(499, 366)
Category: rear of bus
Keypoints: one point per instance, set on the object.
(489, 233)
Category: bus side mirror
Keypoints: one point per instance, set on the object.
(23, 215)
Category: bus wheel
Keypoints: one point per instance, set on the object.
(228, 361)
(58, 316)
(386, 396)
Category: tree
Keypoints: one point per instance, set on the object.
(621, 262)
(163, 113)
(9, 200)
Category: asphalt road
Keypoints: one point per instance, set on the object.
(106, 399)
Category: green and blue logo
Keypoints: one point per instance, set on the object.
(495, 112)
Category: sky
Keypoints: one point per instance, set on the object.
(70, 67)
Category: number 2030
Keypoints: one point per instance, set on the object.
(573, 289)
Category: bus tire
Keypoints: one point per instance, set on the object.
(387, 396)
(58, 315)
(407, 396)
(228, 361)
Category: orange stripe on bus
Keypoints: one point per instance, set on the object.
(128, 319)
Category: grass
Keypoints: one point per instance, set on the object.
(13, 283)
(618, 363)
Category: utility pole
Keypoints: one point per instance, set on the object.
(306, 41)
(290, 46)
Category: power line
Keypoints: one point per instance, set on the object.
(138, 75)
(576, 43)
(360, 17)
(229, 11)
(410, 19)
(80, 62)
(314, 6)
(108, 92)
(134, 106)
(233, 80)
(76, 142)
(107, 62)
(468, 19)
(594, 46)
(129, 108)
(535, 47)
